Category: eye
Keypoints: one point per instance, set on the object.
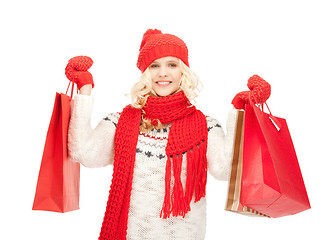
(154, 65)
(173, 65)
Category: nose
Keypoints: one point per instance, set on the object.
(163, 71)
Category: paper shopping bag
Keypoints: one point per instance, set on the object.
(57, 187)
(234, 188)
(272, 183)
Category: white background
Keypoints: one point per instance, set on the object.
(288, 43)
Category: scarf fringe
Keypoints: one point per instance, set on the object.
(179, 207)
(178, 203)
(201, 174)
(166, 208)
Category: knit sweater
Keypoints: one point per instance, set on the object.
(94, 148)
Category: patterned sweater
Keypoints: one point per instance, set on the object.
(95, 148)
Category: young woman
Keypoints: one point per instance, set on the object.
(161, 146)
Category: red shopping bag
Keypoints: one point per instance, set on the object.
(57, 187)
(272, 183)
(233, 203)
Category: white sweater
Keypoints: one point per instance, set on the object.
(95, 148)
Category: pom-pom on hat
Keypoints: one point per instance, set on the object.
(156, 44)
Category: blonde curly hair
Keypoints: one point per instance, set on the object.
(142, 89)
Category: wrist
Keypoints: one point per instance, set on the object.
(86, 89)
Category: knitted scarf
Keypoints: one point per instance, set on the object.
(188, 134)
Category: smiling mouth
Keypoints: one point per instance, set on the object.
(163, 83)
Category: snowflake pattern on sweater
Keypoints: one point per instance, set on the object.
(94, 148)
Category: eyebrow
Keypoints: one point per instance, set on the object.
(170, 61)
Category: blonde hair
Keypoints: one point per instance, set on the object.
(142, 89)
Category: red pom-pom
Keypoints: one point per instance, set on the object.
(152, 31)
(148, 34)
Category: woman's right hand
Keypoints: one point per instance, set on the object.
(77, 71)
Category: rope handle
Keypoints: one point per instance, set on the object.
(273, 119)
(72, 88)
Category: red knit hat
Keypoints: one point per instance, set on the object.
(156, 45)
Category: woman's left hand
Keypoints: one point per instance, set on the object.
(259, 92)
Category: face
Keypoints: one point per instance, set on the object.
(166, 75)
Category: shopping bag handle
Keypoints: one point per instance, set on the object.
(273, 119)
(72, 88)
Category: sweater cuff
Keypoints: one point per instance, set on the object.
(82, 106)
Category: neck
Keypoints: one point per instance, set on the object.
(167, 109)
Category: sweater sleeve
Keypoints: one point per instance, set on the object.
(90, 147)
(220, 146)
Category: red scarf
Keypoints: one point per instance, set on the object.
(188, 134)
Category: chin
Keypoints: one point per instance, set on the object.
(164, 93)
